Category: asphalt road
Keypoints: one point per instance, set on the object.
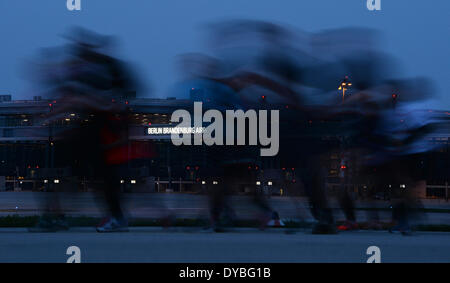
(150, 205)
(243, 245)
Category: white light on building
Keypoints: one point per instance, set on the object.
(269, 183)
(258, 183)
(203, 183)
(175, 130)
(45, 181)
(133, 181)
(122, 181)
(56, 181)
(215, 182)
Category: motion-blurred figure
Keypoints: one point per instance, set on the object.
(93, 86)
(258, 68)
(260, 65)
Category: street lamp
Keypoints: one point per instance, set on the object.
(344, 85)
(394, 99)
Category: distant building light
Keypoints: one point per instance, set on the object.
(45, 181)
(122, 181)
(402, 186)
(203, 183)
(258, 183)
(133, 181)
(215, 182)
(56, 181)
(269, 183)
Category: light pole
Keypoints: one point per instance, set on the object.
(50, 150)
(344, 85)
(394, 100)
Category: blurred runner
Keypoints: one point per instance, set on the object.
(94, 86)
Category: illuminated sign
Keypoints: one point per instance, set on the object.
(175, 130)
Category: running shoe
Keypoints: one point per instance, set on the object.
(113, 225)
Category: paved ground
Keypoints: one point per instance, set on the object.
(243, 245)
(191, 206)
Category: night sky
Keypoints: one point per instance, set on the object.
(153, 32)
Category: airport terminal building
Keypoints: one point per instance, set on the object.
(31, 159)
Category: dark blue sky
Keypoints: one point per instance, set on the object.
(153, 32)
